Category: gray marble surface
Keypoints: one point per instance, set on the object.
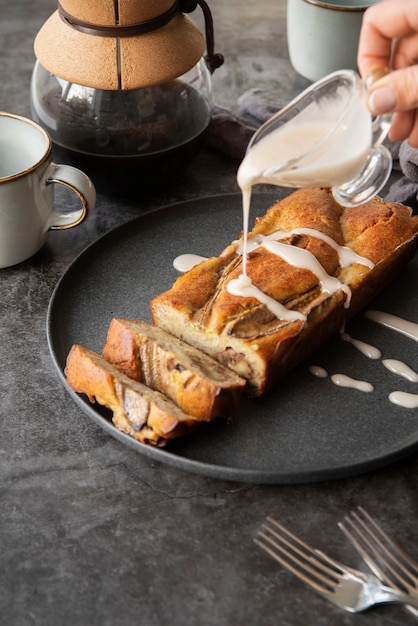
(91, 532)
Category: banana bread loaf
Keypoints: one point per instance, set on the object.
(308, 257)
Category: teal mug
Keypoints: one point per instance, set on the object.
(323, 35)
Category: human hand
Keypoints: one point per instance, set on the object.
(389, 39)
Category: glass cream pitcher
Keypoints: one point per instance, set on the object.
(325, 137)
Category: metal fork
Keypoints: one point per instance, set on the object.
(386, 559)
(345, 587)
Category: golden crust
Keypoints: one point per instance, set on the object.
(241, 332)
(198, 384)
(140, 412)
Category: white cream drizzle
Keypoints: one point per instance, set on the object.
(185, 262)
(244, 287)
(318, 371)
(298, 257)
(404, 399)
(400, 398)
(401, 369)
(370, 351)
(410, 329)
(342, 380)
(346, 255)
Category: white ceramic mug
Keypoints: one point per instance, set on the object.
(323, 35)
(27, 174)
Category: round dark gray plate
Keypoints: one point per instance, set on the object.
(309, 429)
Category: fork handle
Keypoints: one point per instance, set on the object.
(388, 594)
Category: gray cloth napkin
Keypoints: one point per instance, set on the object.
(230, 133)
(405, 189)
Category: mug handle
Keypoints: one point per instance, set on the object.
(80, 183)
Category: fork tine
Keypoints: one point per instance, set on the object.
(307, 564)
(385, 558)
(364, 553)
(396, 551)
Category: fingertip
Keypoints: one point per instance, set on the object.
(382, 100)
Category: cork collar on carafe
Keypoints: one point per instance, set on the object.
(119, 44)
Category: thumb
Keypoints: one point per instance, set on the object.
(397, 91)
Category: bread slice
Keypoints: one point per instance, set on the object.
(198, 384)
(242, 332)
(146, 415)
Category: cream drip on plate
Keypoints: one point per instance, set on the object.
(400, 398)
(404, 399)
(400, 368)
(318, 371)
(370, 351)
(185, 262)
(409, 329)
(342, 380)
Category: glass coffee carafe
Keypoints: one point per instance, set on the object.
(124, 89)
(123, 138)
